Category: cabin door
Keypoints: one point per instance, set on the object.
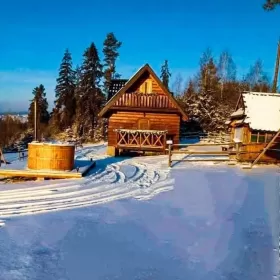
(238, 134)
(144, 124)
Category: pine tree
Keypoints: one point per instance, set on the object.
(207, 78)
(64, 110)
(165, 74)
(190, 89)
(271, 4)
(212, 79)
(110, 50)
(89, 94)
(42, 109)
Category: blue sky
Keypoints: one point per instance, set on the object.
(35, 34)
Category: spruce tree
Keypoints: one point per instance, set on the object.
(190, 89)
(165, 74)
(111, 52)
(89, 94)
(207, 78)
(42, 109)
(64, 110)
(271, 4)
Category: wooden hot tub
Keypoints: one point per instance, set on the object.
(48, 156)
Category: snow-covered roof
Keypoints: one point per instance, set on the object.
(238, 113)
(239, 121)
(262, 110)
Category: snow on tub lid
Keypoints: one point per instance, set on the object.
(51, 143)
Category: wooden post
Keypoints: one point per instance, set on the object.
(169, 142)
(275, 80)
(2, 158)
(35, 119)
(237, 145)
(164, 144)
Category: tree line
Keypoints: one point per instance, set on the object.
(212, 93)
(208, 97)
(11, 130)
(80, 93)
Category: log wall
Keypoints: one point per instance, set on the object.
(132, 120)
(249, 153)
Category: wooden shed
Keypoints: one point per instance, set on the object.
(142, 114)
(255, 125)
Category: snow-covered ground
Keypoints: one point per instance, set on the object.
(135, 218)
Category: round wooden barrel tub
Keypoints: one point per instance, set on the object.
(48, 156)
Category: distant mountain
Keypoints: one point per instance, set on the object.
(14, 113)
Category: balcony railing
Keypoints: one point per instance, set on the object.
(154, 101)
(141, 139)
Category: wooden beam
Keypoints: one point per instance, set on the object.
(46, 174)
(201, 160)
(145, 109)
(40, 174)
(206, 144)
(276, 73)
(266, 148)
(200, 152)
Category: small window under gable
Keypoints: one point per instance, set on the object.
(146, 87)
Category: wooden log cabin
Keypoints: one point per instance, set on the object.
(142, 114)
(254, 124)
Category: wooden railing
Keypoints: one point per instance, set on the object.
(203, 155)
(210, 137)
(141, 139)
(144, 100)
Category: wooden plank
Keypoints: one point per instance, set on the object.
(203, 145)
(201, 160)
(39, 174)
(143, 109)
(200, 152)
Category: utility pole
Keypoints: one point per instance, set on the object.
(276, 73)
(35, 119)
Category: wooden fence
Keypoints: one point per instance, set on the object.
(208, 137)
(183, 150)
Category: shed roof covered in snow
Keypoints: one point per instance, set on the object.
(262, 110)
(239, 113)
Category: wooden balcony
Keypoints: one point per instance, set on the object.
(150, 101)
(142, 140)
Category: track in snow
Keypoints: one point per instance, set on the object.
(139, 178)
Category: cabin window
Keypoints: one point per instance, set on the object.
(254, 137)
(146, 87)
(261, 137)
